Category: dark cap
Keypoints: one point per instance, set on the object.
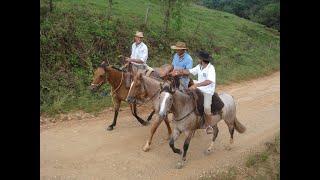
(203, 55)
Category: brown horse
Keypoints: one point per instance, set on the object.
(115, 77)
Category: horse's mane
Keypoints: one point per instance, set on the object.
(193, 96)
(154, 78)
(198, 100)
(104, 66)
(116, 68)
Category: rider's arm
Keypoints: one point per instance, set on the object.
(204, 83)
(144, 56)
(189, 63)
(211, 78)
(139, 61)
(179, 72)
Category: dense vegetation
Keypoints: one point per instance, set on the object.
(266, 12)
(78, 34)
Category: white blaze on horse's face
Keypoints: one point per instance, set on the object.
(163, 103)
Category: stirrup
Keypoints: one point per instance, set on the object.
(209, 128)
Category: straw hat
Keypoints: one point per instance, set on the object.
(179, 45)
(139, 34)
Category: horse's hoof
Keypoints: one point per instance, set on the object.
(208, 151)
(231, 141)
(184, 159)
(146, 123)
(110, 128)
(178, 151)
(180, 165)
(228, 148)
(146, 147)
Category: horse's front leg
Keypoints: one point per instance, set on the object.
(189, 135)
(150, 116)
(134, 113)
(176, 133)
(117, 103)
(154, 127)
(166, 120)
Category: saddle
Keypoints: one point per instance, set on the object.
(198, 99)
(176, 83)
(159, 72)
(216, 104)
(163, 70)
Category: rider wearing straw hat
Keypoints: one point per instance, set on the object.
(182, 60)
(139, 51)
(206, 83)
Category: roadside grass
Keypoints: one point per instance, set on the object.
(259, 165)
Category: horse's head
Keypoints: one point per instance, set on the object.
(137, 89)
(99, 77)
(165, 99)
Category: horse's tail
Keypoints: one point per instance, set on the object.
(239, 127)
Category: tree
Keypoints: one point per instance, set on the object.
(50, 5)
(167, 4)
(172, 10)
(266, 12)
(109, 9)
(269, 15)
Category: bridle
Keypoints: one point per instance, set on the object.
(112, 91)
(185, 116)
(97, 85)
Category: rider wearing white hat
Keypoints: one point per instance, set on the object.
(139, 51)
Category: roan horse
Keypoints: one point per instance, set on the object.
(145, 88)
(186, 120)
(115, 77)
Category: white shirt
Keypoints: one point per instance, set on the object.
(207, 73)
(139, 51)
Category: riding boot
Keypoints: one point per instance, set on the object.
(208, 120)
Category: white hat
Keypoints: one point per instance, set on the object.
(139, 34)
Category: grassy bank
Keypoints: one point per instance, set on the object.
(76, 36)
(260, 165)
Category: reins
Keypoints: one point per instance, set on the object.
(145, 102)
(185, 115)
(114, 91)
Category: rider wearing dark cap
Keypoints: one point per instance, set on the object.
(206, 83)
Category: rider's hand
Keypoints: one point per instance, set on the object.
(128, 59)
(193, 87)
(174, 73)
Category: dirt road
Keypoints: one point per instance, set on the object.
(83, 149)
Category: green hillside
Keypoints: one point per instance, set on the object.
(76, 36)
